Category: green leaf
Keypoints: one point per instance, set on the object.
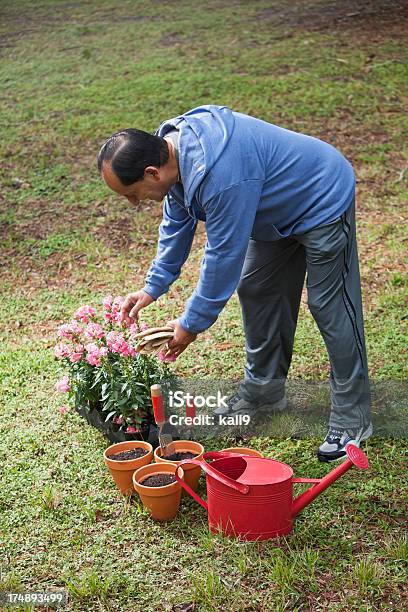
(94, 384)
(123, 401)
(105, 394)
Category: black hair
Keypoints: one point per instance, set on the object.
(130, 151)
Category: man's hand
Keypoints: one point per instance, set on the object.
(133, 303)
(180, 340)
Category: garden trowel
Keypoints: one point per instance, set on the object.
(165, 440)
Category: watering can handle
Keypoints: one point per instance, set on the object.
(228, 482)
(188, 488)
(225, 480)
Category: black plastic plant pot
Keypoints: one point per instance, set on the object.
(96, 419)
(148, 434)
(148, 431)
(83, 412)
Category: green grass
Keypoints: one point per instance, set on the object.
(71, 74)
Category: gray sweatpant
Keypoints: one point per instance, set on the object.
(270, 291)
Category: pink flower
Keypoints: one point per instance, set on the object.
(117, 344)
(112, 340)
(93, 359)
(107, 302)
(107, 317)
(63, 410)
(131, 429)
(63, 385)
(118, 420)
(84, 313)
(64, 331)
(76, 354)
(115, 315)
(133, 330)
(70, 330)
(166, 359)
(116, 308)
(61, 351)
(95, 353)
(94, 331)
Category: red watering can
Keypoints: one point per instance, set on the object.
(251, 498)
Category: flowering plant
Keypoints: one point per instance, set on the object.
(105, 371)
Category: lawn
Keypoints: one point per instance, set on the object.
(71, 73)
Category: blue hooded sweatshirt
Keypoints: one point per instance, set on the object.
(244, 178)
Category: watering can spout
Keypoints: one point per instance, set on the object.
(355, 456)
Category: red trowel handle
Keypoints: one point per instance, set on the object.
(190, 408)
(158, 404)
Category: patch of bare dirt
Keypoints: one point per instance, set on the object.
(172, 39)
(18, 24)
(363, 16)
(339, 15)
(129, 229)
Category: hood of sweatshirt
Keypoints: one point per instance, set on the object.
(204, 134)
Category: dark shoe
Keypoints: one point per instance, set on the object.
(334, 445)
(238, 405)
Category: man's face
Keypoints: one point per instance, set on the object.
(154, 186)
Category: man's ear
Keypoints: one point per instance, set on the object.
(151, 172)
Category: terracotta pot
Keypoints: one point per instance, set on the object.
(122, 471)
(242, 450)
(191, 472)
(162, 503)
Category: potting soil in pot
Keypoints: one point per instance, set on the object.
(158, 480)
(134, 453)
(179, 456)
